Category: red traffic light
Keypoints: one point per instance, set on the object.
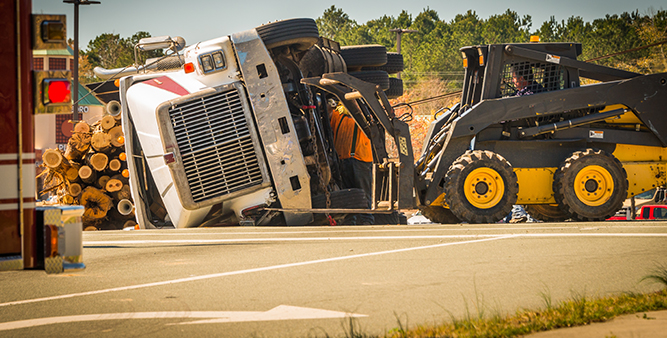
(57, 91)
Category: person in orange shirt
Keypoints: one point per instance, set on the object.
(356, 155)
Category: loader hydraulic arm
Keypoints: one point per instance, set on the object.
(373, 100)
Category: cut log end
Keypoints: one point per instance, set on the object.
(82, 127)
(52, 158)
(108, 122)
(75, 189)
(117, 137)
(95, 202)
(115, 164)
(98, 161)
(114, 185)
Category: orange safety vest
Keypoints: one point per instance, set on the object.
(349, 140)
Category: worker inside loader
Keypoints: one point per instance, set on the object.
(356, 155)
(524, 79)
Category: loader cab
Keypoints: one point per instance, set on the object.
(496, 71)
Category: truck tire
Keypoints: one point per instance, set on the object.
(360, 56)
(300, 33)
(439, 215)
(378, 77)
(319, 60)
(394, 64)
(590, 185)
(546, 212)
(481, 187)
(395, 88)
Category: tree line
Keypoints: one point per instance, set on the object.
(433, 51)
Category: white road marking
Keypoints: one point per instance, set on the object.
(306, 239)
(279, 239)
(281, 312)
(240, 272)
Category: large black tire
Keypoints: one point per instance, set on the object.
(481, 187)
(360, 56)
(546, 212)
(378, 77)
(394, 64)
(395, 88)
(439, 215)
(590, 185)
(299, 33)
(318, 61)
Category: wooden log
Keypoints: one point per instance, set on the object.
(66, 199)
(74, 189)
(72, 173)
(117, 137)
(116, 183)
(87, 174)
(77, 146)
(100, 141)
(97, 161)
(82, 127)
(115, 165)
(107, 122)
(102, 182)
(96, 203)
(52, 158)
(125, 193)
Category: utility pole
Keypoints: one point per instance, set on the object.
(399, 32)
(75, 71)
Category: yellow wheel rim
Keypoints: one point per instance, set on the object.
(593, 185)
(484, 188)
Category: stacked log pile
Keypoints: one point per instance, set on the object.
(92, 172)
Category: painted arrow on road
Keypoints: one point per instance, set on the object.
(281, 312)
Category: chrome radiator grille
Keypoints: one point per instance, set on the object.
(215, 143)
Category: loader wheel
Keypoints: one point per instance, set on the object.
(360, 56)
(376, 77)
(481, 187)
(439, 215)
(590, 185)
(301, 33)
(546, 212)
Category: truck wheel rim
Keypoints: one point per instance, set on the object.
(484, 188)
(593, 185)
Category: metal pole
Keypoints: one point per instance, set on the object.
(75, 71)
(399, 33)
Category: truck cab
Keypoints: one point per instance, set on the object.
(235, 133)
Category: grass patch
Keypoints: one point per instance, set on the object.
(577, 311)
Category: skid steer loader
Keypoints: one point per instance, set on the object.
(562, 149)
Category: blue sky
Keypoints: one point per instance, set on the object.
(200, 20)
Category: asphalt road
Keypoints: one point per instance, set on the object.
(319, 281)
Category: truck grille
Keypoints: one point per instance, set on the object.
(214, 139)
